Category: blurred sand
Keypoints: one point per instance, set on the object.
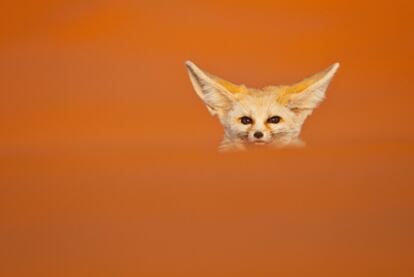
(108, 161)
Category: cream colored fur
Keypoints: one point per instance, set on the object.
(230, 102)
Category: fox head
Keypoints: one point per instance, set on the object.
(273, 115)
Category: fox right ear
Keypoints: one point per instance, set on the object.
(308, 93)
(213, 91)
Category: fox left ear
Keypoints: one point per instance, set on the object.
(217, 94)
(308, 93)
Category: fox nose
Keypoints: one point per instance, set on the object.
(258, 134)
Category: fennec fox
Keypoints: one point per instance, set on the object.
(271, 116)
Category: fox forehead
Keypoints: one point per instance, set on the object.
(261, 95)
(260, 103)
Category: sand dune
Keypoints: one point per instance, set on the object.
(109, 162)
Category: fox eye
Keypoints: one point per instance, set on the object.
(246, 120)
(274, 119)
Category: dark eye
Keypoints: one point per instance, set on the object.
(246, 120)
(274, 119)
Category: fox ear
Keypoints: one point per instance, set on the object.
(216, 93)
(308, 93)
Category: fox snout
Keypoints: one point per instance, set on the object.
(259, 136)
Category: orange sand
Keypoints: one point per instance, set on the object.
(108, 163)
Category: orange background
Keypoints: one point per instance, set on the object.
(108, 162)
